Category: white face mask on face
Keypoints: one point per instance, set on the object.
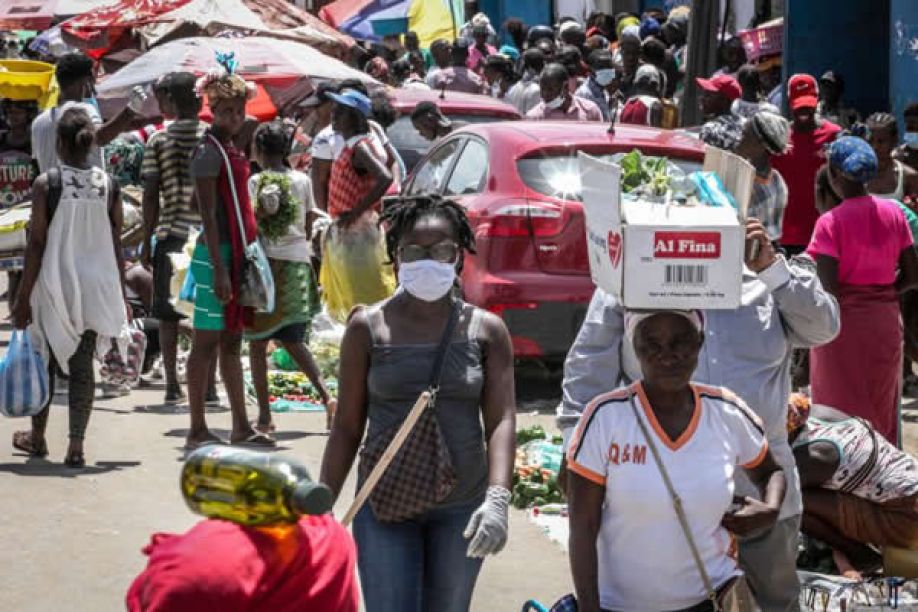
(556, 103)
(605, 76)
(427, 280)
(911, 140)
(495, 89)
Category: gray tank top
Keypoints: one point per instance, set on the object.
(399, 373)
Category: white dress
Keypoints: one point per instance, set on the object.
(79, 285)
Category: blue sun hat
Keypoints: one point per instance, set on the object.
(353, 99)
(853, 157)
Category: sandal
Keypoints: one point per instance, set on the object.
(191, 445)
(264, 428)
(75, 460)
(258, 440)
(22, 441)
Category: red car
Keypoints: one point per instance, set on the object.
(520, 184)
(463, 107)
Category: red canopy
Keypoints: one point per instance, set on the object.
(103, 27)
(26, 14)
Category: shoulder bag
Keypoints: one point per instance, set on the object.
(735, 595)
(421, 474)
(256, 286)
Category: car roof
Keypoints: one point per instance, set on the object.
(527, 137)
(451, 102)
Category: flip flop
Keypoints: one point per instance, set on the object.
(265, 429)
(257, 440)
(191, 446)
(75, 460)
(22, 441)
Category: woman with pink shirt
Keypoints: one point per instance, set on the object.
(859, 244)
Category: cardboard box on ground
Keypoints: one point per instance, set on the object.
(653, 255)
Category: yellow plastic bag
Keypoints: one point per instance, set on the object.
(354, 269)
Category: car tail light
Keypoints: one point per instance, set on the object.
(527, 218)
(499, 309)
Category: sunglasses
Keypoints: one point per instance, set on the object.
(442, 252)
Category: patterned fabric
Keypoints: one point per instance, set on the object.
(346, 186)
(297, 300)
(420, 476)
(578, 110)
(769, 199)
(890, 474)
(124, 160)
(456, 78)
(724, 132)
(854, 158)
(167, 158)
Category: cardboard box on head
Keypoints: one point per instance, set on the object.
(653, 255)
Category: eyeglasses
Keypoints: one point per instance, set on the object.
(443, 252)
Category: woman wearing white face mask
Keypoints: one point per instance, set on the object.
(499, 73)
(431, 560)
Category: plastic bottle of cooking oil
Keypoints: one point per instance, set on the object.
(250, 488)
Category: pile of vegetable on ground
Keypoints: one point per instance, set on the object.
(535, 474)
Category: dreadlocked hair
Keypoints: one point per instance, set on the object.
(403, 213)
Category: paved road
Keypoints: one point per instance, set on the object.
(71, 540)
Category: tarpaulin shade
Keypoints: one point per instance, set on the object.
(371, 19)
(26, 14)
(282, 15)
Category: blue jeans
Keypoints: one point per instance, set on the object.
(418, 565)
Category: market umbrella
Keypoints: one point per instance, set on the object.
(26, 14)
(372, 19)
(280, 16)
(273, 63)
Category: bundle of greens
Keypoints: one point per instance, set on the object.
(646, 174)
(276, 188)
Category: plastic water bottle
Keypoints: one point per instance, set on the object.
(250, 488)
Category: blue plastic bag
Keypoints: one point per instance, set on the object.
(24, 389)
(711, 190)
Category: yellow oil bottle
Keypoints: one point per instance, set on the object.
(250, 488)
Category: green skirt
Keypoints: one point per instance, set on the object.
(296, 303)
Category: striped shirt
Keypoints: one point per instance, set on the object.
(167, 158)
(769, 199)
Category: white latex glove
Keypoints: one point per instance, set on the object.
(488, 526)
(137, 99)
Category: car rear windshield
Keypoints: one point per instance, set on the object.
(558, 176)
(412, 147)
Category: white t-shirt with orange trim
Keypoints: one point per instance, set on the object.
(645, 563)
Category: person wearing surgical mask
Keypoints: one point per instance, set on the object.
(499, 75)
(597, 87)
(431, 561)
(558, 103)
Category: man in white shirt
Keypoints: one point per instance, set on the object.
(77, 89)
(525, 94)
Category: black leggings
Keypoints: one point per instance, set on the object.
(81, 391)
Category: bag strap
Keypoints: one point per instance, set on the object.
(680, 511)
(232, 183)
(436, 374)
(55, 189)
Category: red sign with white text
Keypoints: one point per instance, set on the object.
(686, 245)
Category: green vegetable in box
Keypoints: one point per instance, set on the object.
(536, 432)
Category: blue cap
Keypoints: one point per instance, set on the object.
(354, 99)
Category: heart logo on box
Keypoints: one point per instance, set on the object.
(615, 248)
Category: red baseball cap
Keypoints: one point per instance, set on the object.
(722, 84)
(802, 91)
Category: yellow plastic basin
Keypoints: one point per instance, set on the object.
(25, 79)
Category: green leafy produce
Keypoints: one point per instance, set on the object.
(277, 184)
(528, 434)
(644, 173)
